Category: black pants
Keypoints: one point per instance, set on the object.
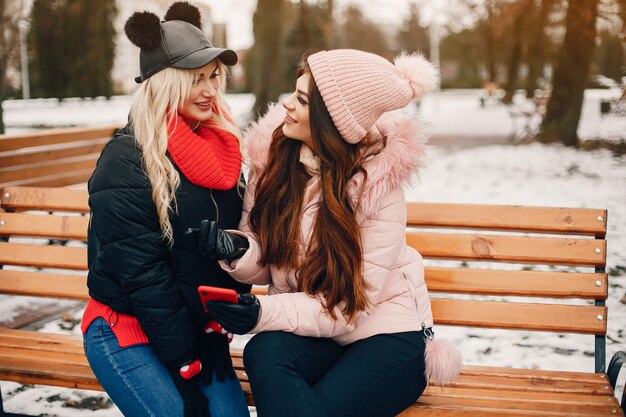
(294, 375)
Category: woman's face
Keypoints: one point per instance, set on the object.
(297, 116)
(199, 105)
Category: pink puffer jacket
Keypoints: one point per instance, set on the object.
(393, 270)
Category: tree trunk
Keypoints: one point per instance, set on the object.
(265, 68)
(490, 45)
(2, 64)
(1, 111)
(330, 25)
(536, 51)
(515, 59)
(570, 77)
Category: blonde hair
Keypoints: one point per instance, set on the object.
(153, 104)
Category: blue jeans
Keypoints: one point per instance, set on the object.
(140, 385)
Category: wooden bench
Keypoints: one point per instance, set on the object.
(51, 158)
(493, 236)
(617, 106)
(526, 117)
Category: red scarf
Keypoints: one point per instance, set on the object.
(208, 157)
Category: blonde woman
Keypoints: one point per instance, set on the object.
(177, 162)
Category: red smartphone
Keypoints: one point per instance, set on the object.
(216, 294)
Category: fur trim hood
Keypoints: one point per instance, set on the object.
(395, 165)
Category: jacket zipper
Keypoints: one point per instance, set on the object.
(217, 209)
(427, 332)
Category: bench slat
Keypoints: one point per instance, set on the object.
(519, 283)
(32, 340)
(42, 284)
(529, 384)
(448, 280)
(516, 402)
(495, 217)
(54, 136)
(522, 316)
(517, 249)
(57, 180)
(61, 358)
(44, 154)
(37, 371)
(49, 168)
(578, 398)
(59, 227)
(41, 198)
(428, 410)
(43, 256)
(512, 218)
(544, 375)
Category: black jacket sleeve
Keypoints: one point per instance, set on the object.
(125, 222)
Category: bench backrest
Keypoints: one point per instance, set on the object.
(51, 158)
(469, 249)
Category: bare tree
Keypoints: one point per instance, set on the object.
(538, 51)
(493, 29)
(11, 13)
(570, 77)
(264, 66)
(521, 11)
(622, 14)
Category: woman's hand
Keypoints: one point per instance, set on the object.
(185, 377)
(217, 243)
(238, 318)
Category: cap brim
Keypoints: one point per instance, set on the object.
(202, 57)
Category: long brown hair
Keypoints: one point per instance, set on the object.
(333, 263)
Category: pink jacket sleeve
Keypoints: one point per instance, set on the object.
(383, 239)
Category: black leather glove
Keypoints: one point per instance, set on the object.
(237, 318)
(214, 354)
(218, 244)
(194, 402)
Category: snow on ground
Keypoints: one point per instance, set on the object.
(450, 112)
(532, 174)
(458, 113)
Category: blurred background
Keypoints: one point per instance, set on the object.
(531, 111)
(69, 49)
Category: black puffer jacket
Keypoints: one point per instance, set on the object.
(132, 270)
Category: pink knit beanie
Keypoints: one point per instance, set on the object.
(358, 87)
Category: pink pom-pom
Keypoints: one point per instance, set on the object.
(443, 362)
(422, 75)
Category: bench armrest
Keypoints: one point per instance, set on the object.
(617, 361)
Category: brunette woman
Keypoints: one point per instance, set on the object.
(345, 328)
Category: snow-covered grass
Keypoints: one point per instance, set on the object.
(450, 113)
(533, 174)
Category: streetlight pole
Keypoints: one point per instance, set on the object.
(23, 28)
